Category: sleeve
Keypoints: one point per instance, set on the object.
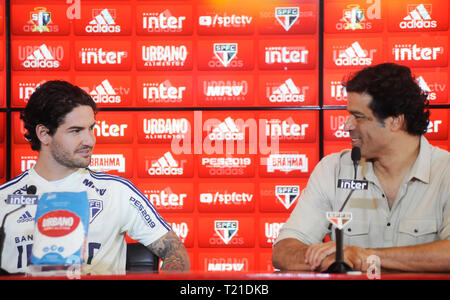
(140, 220)
(307, 222)
(444, 232)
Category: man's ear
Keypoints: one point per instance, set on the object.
(42, 134)
(398, 123)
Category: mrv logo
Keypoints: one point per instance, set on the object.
(353, 184)
(225, 52)
(226, 229)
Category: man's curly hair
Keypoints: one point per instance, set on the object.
(394, 92)
(49, 105)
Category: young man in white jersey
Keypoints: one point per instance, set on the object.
(59, 119)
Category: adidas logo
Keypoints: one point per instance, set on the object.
(227, 130)
(26, 217)
(103, 22)
(286, 93)
(166, 165)
(426, 88)
(104, 93)
(418, 18)
(353, 56)
(41, 58)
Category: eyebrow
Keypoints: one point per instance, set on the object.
(355, 112)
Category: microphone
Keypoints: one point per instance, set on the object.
(339, 266)
(31, 190)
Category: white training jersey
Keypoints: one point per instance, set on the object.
(116, 207)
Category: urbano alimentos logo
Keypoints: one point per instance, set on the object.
(163, 127)
(161, 56)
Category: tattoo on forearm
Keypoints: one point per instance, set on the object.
(173, 253)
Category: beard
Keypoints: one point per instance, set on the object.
(71, 159)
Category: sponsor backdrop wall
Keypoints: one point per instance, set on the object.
(217, 110)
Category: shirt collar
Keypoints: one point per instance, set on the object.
(422, 166)
(420, 170)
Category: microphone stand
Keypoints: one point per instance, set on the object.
(339, 266)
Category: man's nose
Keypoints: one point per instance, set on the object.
(349, 124)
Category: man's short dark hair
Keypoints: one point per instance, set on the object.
(394, 92)
(49, 105)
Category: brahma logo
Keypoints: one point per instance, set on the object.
(287, 194)
(226, 229)
(287, 55)
(418, 17)
(105, 93)
(225, 52)
(287, 163)
(107, 162)
(165, 165)
(287, 16)
(103, 22)
(288, 92)
(156, 92)
(353, 56)
(166, 128)
(164, 56)
(227, 130)
(162, 22)
(42, 58)
(98, 56)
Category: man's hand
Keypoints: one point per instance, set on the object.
(321, 256)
